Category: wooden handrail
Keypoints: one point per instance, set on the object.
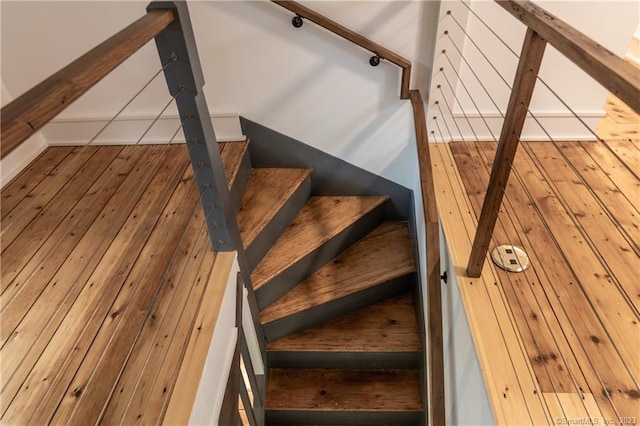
(31, 111)
(353, 37)
(613, 72)
(434, 293)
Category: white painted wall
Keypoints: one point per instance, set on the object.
(610, 23)
(306, 83)
(466, 397)
(18, 159)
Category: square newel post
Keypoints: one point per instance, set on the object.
(521, 93)
(176, 47)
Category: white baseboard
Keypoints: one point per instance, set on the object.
(633, 58)
(128, 130)
(559, 125)
(18, 159)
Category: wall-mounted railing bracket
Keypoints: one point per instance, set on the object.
(297, 21)
(374, 61)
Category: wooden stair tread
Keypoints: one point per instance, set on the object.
(388, 326)
(344, 390)
(321, 219)
(232, 154)
(266, 192)
(384, 254)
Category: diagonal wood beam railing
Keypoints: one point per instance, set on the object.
(355, 38)
(614, 73)
(434, 299)
(28, 113)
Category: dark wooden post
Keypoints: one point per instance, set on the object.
(521, 93)
(435, 347)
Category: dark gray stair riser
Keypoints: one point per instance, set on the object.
(274, 229)
(342, 360)
(305, 267)
(287, 417)
(337, 308)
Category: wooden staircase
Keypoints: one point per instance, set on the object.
(334, 281)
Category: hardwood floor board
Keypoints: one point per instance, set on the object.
(45, 192)
(625, 179)
(619, 122)
(36, 223)
(635, 142)
(563, 405)
(627, 152)
(149, 407)
(514, 394)
(625, 212)
(320, 220)
(563, 305)
(30, 278)
(614, 312)
(267, 191)
(23, 184)
(197, 346)
(61, 275)
(67, 322)
(352, 390)
(389, 326)
(601, 234)
(620, 111)
(382, 255)
(159, 328)
(100, 370)
(167, 333)
(543, 348)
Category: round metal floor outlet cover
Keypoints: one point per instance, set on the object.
(510, 258)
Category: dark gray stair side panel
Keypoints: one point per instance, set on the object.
(337, 308)
(304, 268)
(331, 175)
(274, 229)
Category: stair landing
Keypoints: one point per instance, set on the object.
(561, 339)
(105, 268)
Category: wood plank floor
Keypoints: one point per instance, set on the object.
(562, 339)
(105, 260)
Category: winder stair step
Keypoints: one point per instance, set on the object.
(271, 200)
(325, 226)
(377, 267)
(329, 396)
(384, 335)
